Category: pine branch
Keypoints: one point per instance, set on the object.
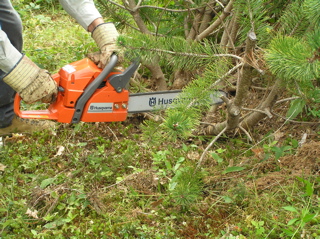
(173, 51)
(253, 16)
(288, 59)
(311, 8)
(293, 21)
(186, 54)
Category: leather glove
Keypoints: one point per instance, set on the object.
(32, 83)
(105, 35)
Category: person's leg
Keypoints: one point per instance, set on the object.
(10, 23)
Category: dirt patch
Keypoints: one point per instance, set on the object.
(305, 163)
(144, 182)
(269, 180)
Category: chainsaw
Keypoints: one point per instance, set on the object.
(89, 94)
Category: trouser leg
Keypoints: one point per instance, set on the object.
(11, 24)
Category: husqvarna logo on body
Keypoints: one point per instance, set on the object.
(100, 108)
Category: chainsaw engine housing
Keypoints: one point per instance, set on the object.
(75, 103)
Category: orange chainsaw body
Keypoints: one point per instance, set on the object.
(105, 104)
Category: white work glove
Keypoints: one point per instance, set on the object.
(32, 83)
(105, 35)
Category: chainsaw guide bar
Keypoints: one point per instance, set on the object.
(161, 100)
(90, 94)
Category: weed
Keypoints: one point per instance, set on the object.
(302, 214)
(215, 155)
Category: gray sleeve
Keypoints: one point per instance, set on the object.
(9, 55)
(84, 11)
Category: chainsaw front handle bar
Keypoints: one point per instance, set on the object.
(118, 82)
(88, 92)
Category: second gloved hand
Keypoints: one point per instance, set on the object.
(105, 35)
(32, 83)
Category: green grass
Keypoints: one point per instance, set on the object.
(52, 38)
(111, 180)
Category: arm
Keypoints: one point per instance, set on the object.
(104, 34)
(9, 55)
(25, 77)
(84, 11)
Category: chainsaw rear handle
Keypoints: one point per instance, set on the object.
(32, 114)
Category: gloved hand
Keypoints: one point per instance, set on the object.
(32, 83)
(105, 35)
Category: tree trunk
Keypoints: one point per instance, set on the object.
(217, 22)
(157, 76)
(181, 79)
(244, 82)
(265, 107)
(207, 17)
(194, 31)
(154, 67)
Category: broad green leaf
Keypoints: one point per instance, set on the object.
(290, 209)
(233, 169)
(308, 217)
(50, 217)
(227, 199)
(172, 186)
(168, 164)
(50, 225)
(309, 189)
(288, 232)
(46, 182)
(292, 221)
(296, 108)
(217, 157)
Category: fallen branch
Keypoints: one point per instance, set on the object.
(287, 99)
(294, 121)
(265, 111)
(246, 132)
(114, 135)
(209, 146)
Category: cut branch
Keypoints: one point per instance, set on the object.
(287, 99)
